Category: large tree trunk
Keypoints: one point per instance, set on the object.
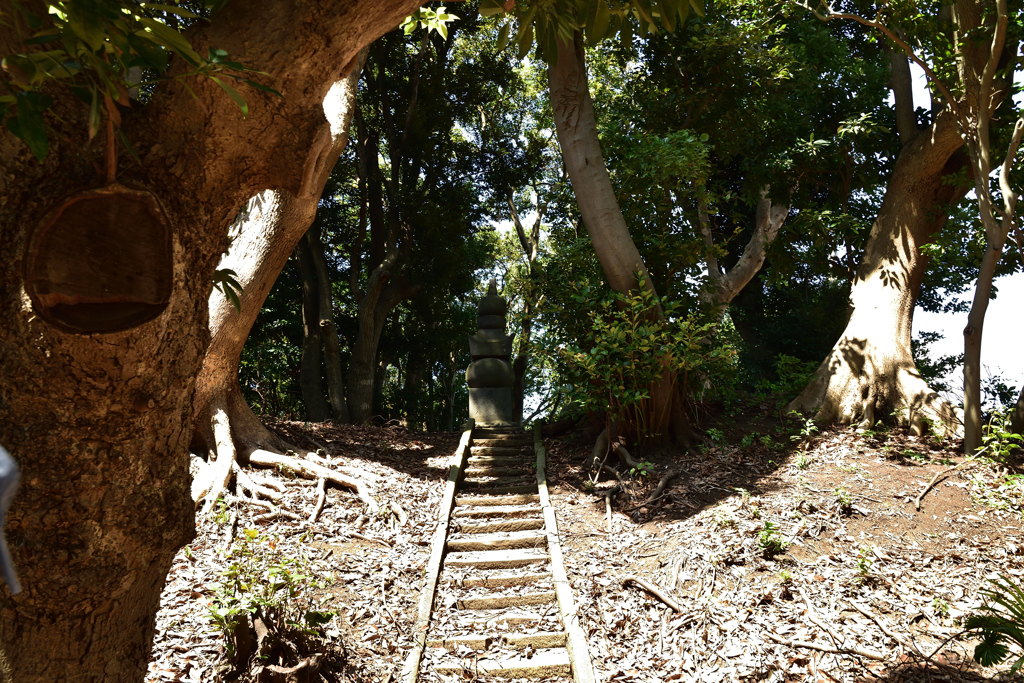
(576, 126)
(101, 422)
(274, 227)
(870, 372)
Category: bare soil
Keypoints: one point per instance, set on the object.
(766, 543)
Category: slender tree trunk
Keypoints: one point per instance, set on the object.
(100, 423)
(328, 330)
(870, 372)
(531, 248)
(723, 287)
(1017, 417)
(576, 126)
(311, 370)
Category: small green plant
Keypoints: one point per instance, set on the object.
(998, 442)
(803, 461)
(847, 468)
(843, 500)
(806, 427)
(588, 486)
(770, 541)
(864, 562)
(260, 585)
(748, 440)
(940, 607)
(785, 578)
(723, 520)
(642, 469)
(766, 441)
(1000, 619)
(716, 435)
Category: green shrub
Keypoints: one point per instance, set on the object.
(999, 620)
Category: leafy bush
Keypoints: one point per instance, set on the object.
(998, 441)
(627, 347)
(264, 606)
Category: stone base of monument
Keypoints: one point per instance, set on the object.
(492, 407)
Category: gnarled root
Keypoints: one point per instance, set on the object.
(235, 437)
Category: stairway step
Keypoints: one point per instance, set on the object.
(554, 662)
(501, 525)
(496, 559)
(501, 580)
(498, 541)
(498, 461)
(501, 489)
(506, 443)
(473, 642)
(496, 498)
(491, 471)
(489, 510)
(539, 640)
(495, 450)
(492, 482)
(500, 601)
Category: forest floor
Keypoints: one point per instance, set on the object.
(765, 543)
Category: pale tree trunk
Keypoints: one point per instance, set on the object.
(274, 227)
(101, 423)
(723, 287)
(984, 93)
(576, 126)
(870, 371)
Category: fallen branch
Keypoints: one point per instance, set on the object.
(321, 497)
(403, 517)
(935, 480)
(650, 588)
(608, 495)
(369, 539)
(275, 514)
(838, 639)
(867, 654)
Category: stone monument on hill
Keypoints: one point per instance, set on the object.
(490, 375)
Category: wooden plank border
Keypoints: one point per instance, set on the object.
(576, 640)
(411, 669)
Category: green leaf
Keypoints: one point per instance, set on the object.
(31, 128)
(171, 9)
(667, 11)
(488, 8)
(171, 39)
(149, 52)
(602, 21)
(503, 37)
(239, 100)
(698, 7)
(94, 114)
(525, 39)
(264, 88)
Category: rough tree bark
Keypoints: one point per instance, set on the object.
(723, 287)
(576, 126)
(328, 328)
(101, 423)
(870, 371)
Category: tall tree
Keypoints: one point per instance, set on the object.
(870, 371)
(101, 421)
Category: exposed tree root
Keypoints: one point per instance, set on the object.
(860, 383)
(236, 438)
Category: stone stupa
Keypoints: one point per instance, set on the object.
(490, 376)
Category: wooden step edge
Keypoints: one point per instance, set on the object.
(513, 524)
(545, 663)
(503, 601)
(517, 641)
(472, 511)
(499, 580)
(503, 490)
(497, 499)
(495, 559)
(498, 541)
